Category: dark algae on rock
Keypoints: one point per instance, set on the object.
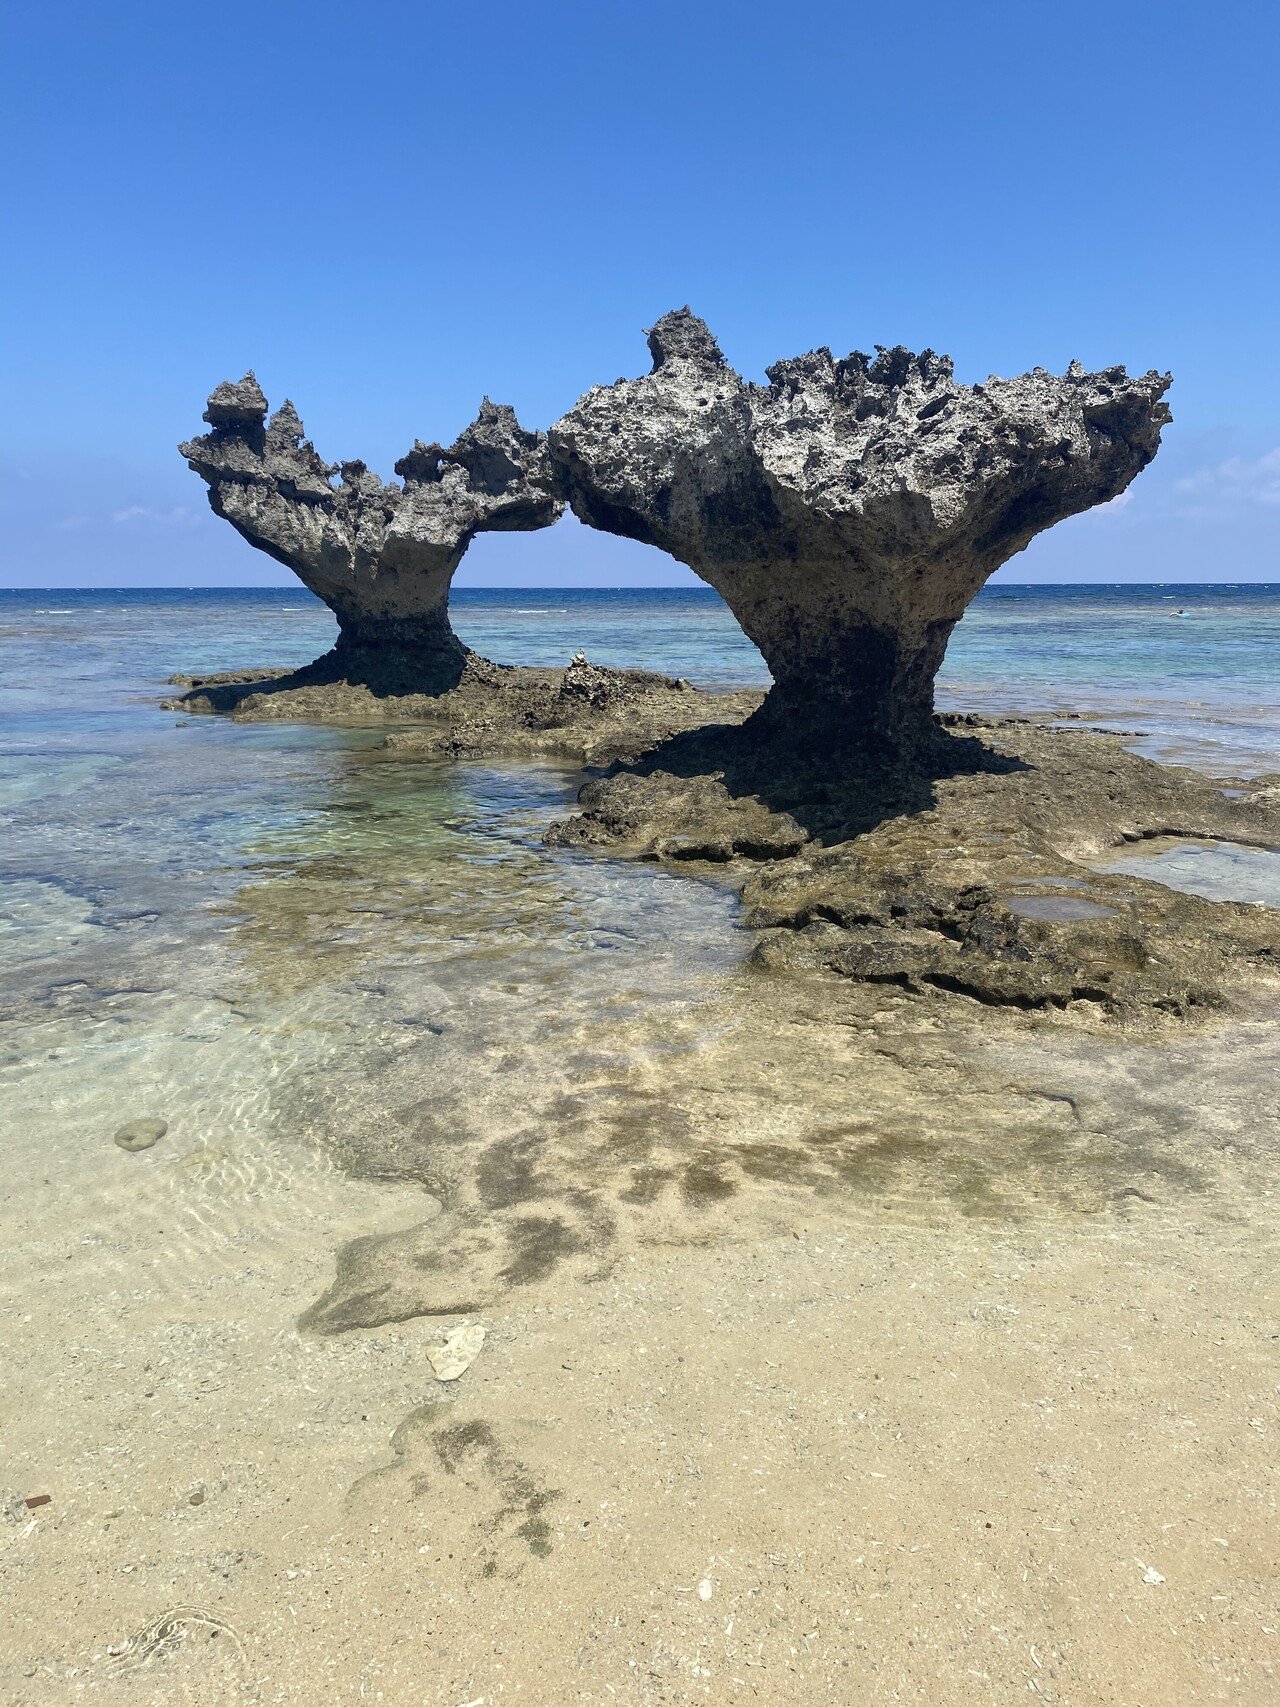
(975, 878)
(990, 891)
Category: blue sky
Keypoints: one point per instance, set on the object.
(389, 209)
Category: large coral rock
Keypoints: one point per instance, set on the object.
(849, 511)
(380, 556)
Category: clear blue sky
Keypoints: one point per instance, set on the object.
(388, 209)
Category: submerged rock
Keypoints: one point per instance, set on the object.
(380, 556)
(140, 1134)
(849, 511)
(461, 1347)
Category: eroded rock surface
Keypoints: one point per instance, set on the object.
(849, 511)
(583, 712)
(380, 556)
(980, 881)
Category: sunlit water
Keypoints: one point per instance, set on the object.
(239, 927)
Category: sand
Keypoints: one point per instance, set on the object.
(890, 1349)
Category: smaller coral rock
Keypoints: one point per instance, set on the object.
(382, 557)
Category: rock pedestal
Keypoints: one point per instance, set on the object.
(380, 556)
(849, 511)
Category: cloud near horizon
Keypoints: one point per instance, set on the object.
(1226, 485)
(1219, 491)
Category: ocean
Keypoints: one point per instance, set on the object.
(1194, 668)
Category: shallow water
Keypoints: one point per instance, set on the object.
(240, 929)
(1195, 670)
(1058, 909)
(316, 960)
(202, 929)
(1190, 673)
(1219, 871)
(249, 930)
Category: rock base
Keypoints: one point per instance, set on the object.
(973, 876)
(584, 712)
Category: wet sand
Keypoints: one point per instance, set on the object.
(838, 1348)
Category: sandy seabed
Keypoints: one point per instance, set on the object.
(842, 1345)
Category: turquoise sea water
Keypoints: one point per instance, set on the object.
(210, 920)
(1196, 669)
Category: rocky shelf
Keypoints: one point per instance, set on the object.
(976, 879)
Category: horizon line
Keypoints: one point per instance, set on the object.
(553, 587)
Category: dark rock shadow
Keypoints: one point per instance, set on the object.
(441, 1454)
(739, 1144)
(767, 787)
(380, 673)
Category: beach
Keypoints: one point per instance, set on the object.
(829, 1329)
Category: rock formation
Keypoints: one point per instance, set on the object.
(849, 511)
(381, 557)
